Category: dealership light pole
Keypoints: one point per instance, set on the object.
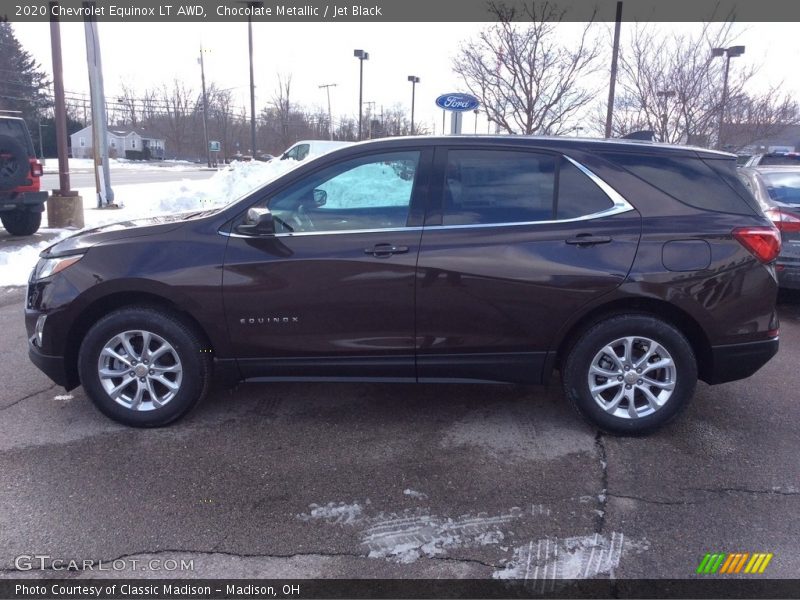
(361, 56)
(414, 81)
(252, 5)
(729, 53)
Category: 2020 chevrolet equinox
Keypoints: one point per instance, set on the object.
(632, 268)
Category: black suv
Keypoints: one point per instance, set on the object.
(633, 268)
(21, 202)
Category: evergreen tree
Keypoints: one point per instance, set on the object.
(24, 86)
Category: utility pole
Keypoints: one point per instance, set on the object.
(370, 108)
(252, 81)
(328, 87)
(614, 58)
(205, 106)
(64, 207)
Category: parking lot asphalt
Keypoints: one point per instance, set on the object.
(371, 480)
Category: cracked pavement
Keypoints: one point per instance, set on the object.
(398, 481)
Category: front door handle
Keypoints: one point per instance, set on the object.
(385, 250)
(587, 239)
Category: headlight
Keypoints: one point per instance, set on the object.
(50, 266)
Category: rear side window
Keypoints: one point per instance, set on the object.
(506, 186)
(707, 185)
(16, 129)
(498, 186)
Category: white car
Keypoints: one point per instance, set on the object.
(305, 148)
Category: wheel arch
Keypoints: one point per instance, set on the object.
(665, 311)
(116, 301)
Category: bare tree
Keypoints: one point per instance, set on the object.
(527, 79)
(177, 102)
(282, 107)
(671, 84)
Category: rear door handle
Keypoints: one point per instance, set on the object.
(587, 239)
(385, 250)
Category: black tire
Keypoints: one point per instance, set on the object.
(21, 222)
(14, 163)
(193, 359)
(682, 377)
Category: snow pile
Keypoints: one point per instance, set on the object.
(16, 264)
(122, 164)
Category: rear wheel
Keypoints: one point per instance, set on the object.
(21, 222)
(142, 367)
(630, 374)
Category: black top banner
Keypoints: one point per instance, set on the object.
(395, 10)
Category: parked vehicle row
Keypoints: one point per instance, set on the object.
(632, 268)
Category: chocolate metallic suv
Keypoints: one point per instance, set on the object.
(632, 268)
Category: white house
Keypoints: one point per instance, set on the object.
(120, 141)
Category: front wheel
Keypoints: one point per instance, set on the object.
(142, 367)
(630, 374)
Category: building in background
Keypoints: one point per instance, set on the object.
(122, 143)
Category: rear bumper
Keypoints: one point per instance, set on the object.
(32, 201)
(739, 361)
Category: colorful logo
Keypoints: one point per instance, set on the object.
(728, 563)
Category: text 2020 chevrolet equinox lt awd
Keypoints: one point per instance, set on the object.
(632, 268)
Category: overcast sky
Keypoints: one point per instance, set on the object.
(148, 55)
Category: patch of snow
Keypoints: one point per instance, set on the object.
(415, 494)
(334, 513)
(17, 262)
(546, 561)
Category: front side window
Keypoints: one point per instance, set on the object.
(372, 192)
(302, 151)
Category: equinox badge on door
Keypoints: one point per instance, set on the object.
(269, 320)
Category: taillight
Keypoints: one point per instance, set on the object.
(763, 242)
(36, 168)
(784, 221)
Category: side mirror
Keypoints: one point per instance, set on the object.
(320, 197)
(259, 221)
(284, 156)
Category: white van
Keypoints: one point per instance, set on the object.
(305, 148)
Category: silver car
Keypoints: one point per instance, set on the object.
(777, 189)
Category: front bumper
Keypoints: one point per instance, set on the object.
(739, 361)
(31, 201)
(52, 366)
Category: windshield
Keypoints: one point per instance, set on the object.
(783, 187)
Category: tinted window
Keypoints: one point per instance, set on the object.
(692, 181)
(371, 192)
(498, 186)
(302, 151)
(578, 195)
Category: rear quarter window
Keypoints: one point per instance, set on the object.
(705, 184)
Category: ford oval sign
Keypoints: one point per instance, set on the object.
(457, 102)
